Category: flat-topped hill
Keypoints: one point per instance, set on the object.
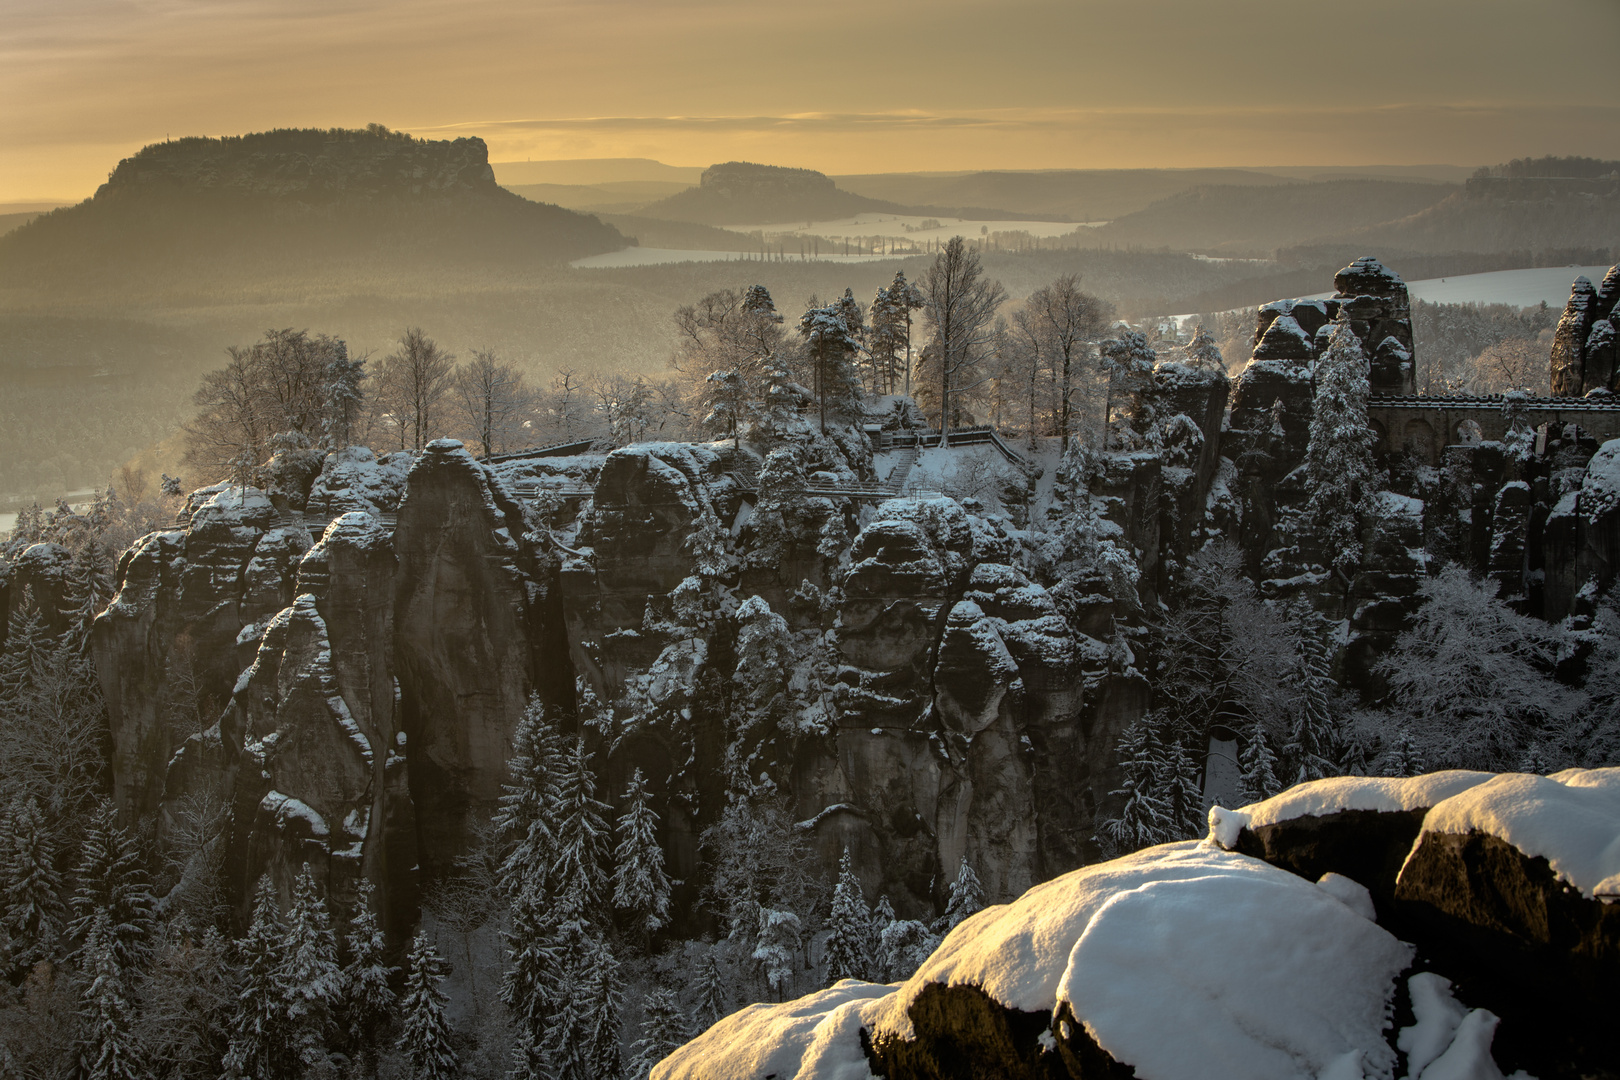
(247, 202)
(741, 193)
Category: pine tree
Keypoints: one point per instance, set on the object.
(711, 989)
(1338, 458)
(88, 588)
(832, 350)
(110, 880)
(777, 941)
(1203, 352)
(258, 1034)
(582, 836)
(966, 898)
(533, 960)
(1145, 818)
(527, 815)
(109, 1050)
(640, 886)
(1312, 744)
(32, 914)
(905, 943)
(1179, 782)
(309, 979)
(604, 1002)
(1402, 757)
(1533, 761)
(882, 918)
(1259, 766)
(850, 946)
(425, 1034)
(25, 647)
(369, 1000)
(663, 1030)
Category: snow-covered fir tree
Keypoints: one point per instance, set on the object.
(905, 944)
(640, 885)
(424, 1029)
(850, 946)
(710, 1005)
(1128, 361)
(1259, 765)
(368, 1003)
(109, 1050)
(527, 816)
(1144, 818)
(1178, 779)
(663, 1030)
(966, 897)
(582, 836)
(32, 914)
(309, 979)
(605, 1004)
(1338, 457)
(1401, 758)
(110, 879)
(258, 1046)
(1313, 743)
(832, 350)
(1203, 352)
(777, 947)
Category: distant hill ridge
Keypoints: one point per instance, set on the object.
(310, 164)
(285, 200)
(742, 193)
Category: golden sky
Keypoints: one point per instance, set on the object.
(833, 85)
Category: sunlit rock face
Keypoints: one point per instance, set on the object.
(1583, 351)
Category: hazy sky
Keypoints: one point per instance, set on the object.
(837, 86)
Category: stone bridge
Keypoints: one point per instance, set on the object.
(1424, 426)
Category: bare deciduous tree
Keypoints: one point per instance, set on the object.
(491, 403)
(959, 305)
(412, 383)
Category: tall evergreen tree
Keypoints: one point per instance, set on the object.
(1259, 765)
(1338, 458)
(258, 1037)
(663, 1030)
(832, 350)
(369, 999)
(711, 989)
(109, 1050)
(582, 836)
(110, 880)
(527, 816)
(966, 898)
(601, 981)
(640, 886)
(1179, 782)
(850, 946)
(425, 1034)
(1203, 352)
(308, 978)
(1312, 747)
(1145, 817)
(32, 915)
(1402, 757)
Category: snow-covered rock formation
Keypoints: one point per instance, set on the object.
(1314, 955)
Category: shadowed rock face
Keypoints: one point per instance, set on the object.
(1583, 351)
(478, 629)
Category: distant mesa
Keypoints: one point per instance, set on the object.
(299, 194)
(741, 193)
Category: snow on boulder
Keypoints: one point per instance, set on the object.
(1385, 794)
(1600, 486)
(1571, 819)
(1181, 957)
(356, 479)
(817, 1037)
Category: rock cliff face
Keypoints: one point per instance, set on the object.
(920, 680)
(1583, 353)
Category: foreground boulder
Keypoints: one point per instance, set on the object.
(1197, 960)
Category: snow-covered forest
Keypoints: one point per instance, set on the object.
(458, 727)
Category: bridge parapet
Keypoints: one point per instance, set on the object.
(1424, 425)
